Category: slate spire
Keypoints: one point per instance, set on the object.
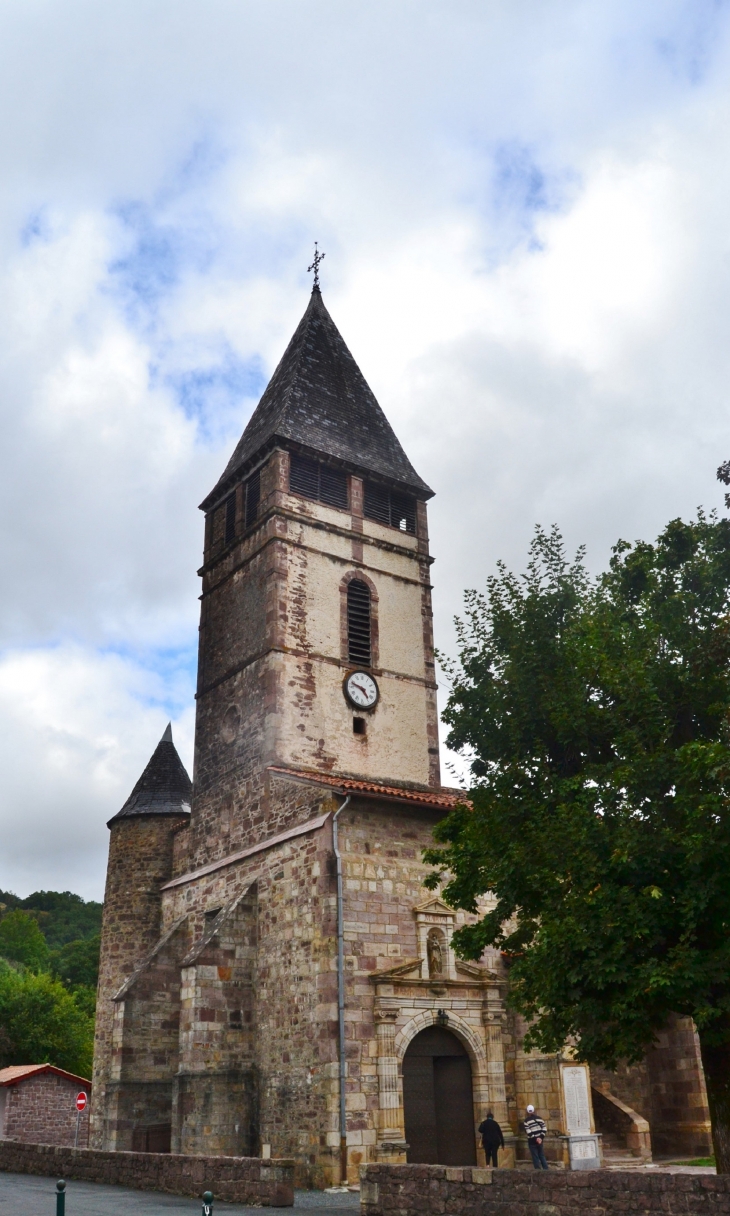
(164, 787)
(319, 400)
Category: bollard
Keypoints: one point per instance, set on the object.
(60, 1197)
(208, 1203)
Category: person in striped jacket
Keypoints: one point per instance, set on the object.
(536, 1130)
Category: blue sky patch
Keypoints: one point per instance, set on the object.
(35, 228)
(213, 393)
(521, 187)
(174, 672)
(688, 50)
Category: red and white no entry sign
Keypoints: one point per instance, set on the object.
(81, 1101)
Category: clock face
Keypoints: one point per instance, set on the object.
(361, 690)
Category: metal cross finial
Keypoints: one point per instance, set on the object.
(318, 257)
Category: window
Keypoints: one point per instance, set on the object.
(359, 726)
(388, 507)
(358, 623)
(317, 481)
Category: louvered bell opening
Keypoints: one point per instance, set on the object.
(403, 512)
(332, 487)
(387, 507)
(304, 477)
(358, 623)
(230, 505)
(252, 491)
(376, 503)
(217, 529)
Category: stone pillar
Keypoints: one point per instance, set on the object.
(391, 1139)
(494, 1019)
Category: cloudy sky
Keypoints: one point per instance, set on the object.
(525, 206)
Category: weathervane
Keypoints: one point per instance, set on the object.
(318, 257)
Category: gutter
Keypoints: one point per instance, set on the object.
(341, 994)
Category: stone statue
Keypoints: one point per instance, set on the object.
(435, 955)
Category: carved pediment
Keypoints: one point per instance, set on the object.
(435, 907)
(475, 971)
(400, 971)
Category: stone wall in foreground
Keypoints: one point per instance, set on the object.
(249, 1180)
(438, 1190)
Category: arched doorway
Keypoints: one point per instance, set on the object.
(437, 1100)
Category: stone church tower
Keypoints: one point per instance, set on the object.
(228, 1020)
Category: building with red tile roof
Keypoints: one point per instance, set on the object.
(38, 1105)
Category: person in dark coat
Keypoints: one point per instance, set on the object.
(492, 1138)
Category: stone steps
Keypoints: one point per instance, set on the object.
(616, 1155)
(619, 1159)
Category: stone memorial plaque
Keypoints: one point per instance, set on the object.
(583, 1149)
(577, 1106)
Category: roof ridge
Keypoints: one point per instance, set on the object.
(393, 790)
(18, 1072)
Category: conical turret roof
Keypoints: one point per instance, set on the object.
(164, 787)
(318, 398)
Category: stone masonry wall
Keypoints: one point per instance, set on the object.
(233, 1179)
(42, 1109)
(680, 1118)
(436, 1190)
(289, 1016)
(275, 1026)
(140, 860)
(294, 1009)
(216, 1085)
(668, 1088)
(271, 662)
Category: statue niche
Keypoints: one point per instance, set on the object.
(436, 954)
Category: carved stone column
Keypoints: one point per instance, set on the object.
(494, 1017)
(391, 1138)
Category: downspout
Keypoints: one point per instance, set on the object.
(341, 994)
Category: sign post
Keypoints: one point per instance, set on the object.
(81, 1101)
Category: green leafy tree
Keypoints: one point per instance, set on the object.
(21, 940)
(596, 715)
(77, 963)
(41, 1023)
(62, 916)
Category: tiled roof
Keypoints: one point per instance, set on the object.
(318, 398)
(164, 787)
(442, 798)
(18, 1072)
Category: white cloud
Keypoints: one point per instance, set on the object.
(77, 730)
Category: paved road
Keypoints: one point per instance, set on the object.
(27, 1195)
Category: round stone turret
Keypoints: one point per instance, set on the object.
(140, 861)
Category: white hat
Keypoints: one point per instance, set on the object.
(531, 1110)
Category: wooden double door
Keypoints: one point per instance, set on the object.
(438, 1100)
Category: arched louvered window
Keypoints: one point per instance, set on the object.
(359, 630)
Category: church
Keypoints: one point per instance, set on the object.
(275, 979)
